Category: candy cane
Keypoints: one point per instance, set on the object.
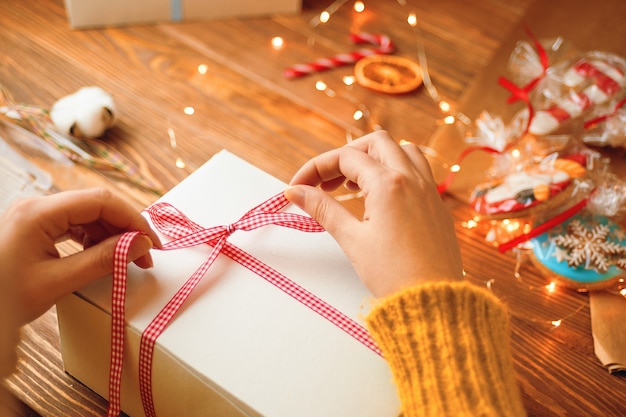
(383, 46)
(608, 81)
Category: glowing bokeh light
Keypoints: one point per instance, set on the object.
(449, 120)
(470, 224)
(277, 42)
(412, 19)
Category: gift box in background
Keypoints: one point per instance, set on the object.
(98, 13)
(239, 346)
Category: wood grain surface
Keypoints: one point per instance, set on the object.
(244, 104)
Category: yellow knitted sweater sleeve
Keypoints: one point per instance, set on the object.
(448, 348)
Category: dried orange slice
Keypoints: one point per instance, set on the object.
(388, 73)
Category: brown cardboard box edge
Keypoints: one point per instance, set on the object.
(609, 331)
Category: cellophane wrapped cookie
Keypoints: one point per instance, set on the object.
(537, 175)
(539, 155)
(587, 251)
(572, 89)
(544, 168)
(607, 126)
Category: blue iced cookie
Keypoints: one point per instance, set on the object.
(584, 252)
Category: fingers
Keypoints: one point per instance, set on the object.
(362, 160)
(94, 217)
(55, 278)
(100, 212)
(330, 169)
(401, 205)
(111, 223)
(418, 159)
(381, 147)
(97, 260)
(322, 207)
(406, 157)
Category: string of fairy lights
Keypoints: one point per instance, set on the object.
(361, 109)
(510, 226)
(449, 117)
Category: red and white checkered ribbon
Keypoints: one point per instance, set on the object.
(383, 46)
(186, 233)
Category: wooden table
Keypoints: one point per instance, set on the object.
(244, 104)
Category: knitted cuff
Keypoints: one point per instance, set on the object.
(449, 350)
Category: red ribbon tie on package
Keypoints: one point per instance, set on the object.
(186, 233)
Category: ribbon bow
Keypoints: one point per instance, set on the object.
(186, 233)
(522, 93)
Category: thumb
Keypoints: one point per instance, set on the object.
(322, 207)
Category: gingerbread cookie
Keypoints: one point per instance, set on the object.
(520, 192)
(585, 252)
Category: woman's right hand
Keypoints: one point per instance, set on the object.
(406, 236)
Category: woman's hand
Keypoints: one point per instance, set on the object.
(406, 236)
(30, 229)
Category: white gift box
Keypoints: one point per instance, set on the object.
(239, 346)
(97, 13)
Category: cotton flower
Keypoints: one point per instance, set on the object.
(87, 113)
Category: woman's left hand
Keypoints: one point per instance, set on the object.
(30, 229)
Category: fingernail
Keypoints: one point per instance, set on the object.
(295, 194)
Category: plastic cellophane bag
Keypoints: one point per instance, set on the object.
(540, 157)
(532, 178)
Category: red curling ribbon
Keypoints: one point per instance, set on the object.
(443, 186)
(522, 93)
(383, 46)
(544, 227)
(597, 120)
(186, 233)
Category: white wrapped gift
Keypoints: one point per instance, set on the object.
(239, 346)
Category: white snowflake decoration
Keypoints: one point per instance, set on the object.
(591, 247)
